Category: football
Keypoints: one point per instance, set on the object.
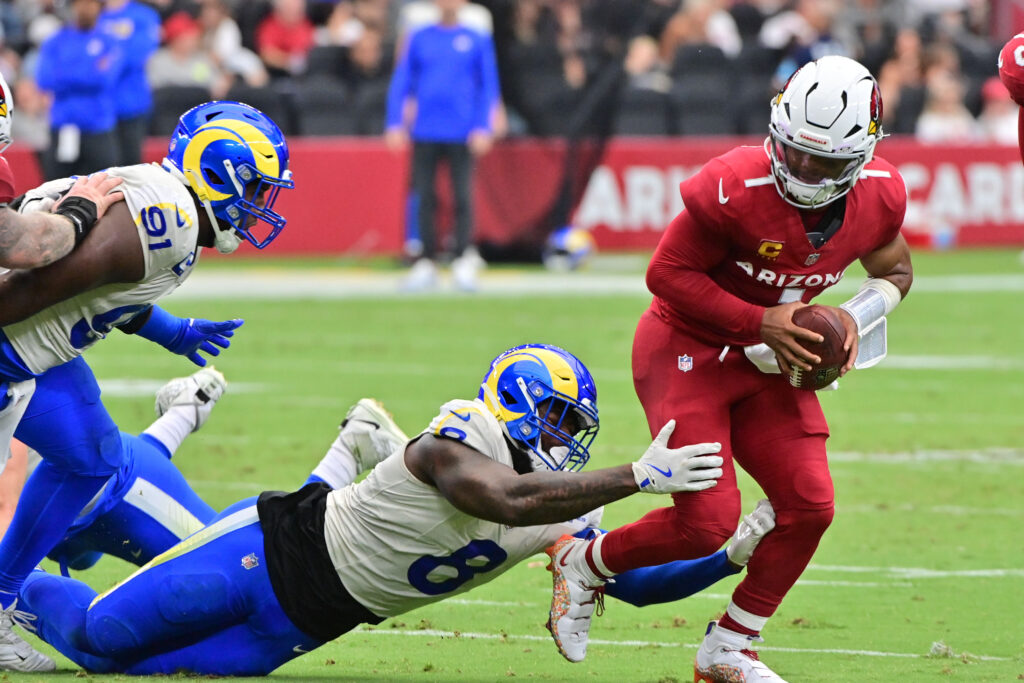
(1011, 67)
(825, 322)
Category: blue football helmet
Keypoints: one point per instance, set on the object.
(230, 154)
(538, 389)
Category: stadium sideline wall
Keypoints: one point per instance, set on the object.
(350, 195)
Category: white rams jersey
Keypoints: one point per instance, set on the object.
(398, 544)
(167, 223)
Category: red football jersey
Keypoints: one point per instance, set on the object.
(6, 182)
(739, 248)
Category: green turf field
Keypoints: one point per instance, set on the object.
(928, 460)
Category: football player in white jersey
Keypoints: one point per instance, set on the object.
(489, 483)
(225, 165)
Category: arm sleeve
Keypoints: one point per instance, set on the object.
(670, 582)
(399, 88)
(489, 88)
(678, 274)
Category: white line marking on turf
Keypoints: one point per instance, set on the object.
(433, 633)
(919, 572)
(898, 362)
(489, 603)
(954, 510)
(130, 388)
(985, 456)
(345, 283)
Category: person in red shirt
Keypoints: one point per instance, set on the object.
(285, 38)
(764, 231)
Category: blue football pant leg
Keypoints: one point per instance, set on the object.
(48, 505)
(59, 605)
(157, 510)
(204, 595)
(666, 582)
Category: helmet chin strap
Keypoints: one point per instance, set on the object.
(226, 241)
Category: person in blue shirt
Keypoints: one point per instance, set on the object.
(448, 75)
(80, 65)
(137, 27)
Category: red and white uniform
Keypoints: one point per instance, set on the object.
(737, 249)
(6, 182)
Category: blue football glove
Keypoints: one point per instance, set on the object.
(188, 336)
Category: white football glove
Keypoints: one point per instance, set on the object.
(668, 470)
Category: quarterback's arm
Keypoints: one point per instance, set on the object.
(678, 274)
(481, 487)
(111, 253)
(39, 238)
(890, 275)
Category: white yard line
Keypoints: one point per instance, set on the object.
(343, 283)
(433, 633)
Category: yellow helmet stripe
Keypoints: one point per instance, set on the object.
(267, 161)
(263, 152)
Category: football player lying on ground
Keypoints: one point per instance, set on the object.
(481, 489)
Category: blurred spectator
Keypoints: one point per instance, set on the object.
(367, 63)
(945, 119)
(222, 40)
(448, 74)
(284, 39)
(137, 27)
(419, 13)
(182, 62)
(900, 81)
(998, 119)
(645, 67)
(80, 65)
(342, 26)
(804, 33)
(703, 22)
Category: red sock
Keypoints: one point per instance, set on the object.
(730, 624)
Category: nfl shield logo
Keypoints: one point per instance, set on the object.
(250, 561)
(685, 363)
(812, 259)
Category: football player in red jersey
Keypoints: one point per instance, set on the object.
(764, 231)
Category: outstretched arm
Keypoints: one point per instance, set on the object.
(672, 581)
(38, 239)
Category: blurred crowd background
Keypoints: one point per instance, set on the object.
(688, 66)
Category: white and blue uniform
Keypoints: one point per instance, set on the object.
(64, 421)
(273, 578)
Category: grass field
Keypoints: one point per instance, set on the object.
(927, 456)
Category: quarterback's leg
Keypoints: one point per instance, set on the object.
(677, 376)
(779, 439)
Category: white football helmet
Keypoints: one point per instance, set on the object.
(825, 123)
(6, 109)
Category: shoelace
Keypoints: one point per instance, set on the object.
(599, 601)
(752, 654)
(26, 620)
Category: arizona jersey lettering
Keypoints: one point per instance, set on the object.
(167, 223)
(423, 548)
(752, 244)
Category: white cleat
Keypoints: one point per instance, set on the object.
(15, 653)
(465, 270)
(369, 433)
(421, 277)
(200, 390)
(572, 600)
(725, 657)
(749, 533)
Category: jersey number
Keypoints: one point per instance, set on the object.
(155, 223)
(86, 332)
(474, 558)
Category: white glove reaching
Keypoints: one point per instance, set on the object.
(668, 470)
